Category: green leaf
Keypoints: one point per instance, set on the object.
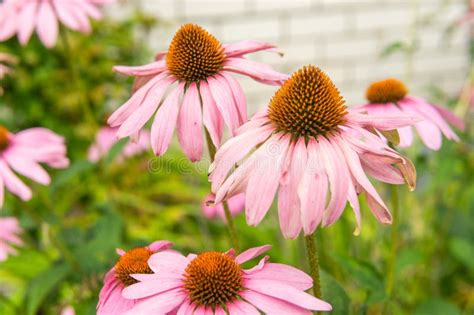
(26, 265)
(365, 275)
(115, 151)
(436, 306)
(463, 250)
(335, 293)
(43, 284)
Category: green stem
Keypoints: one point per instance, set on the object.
(312, 252)
(394, 245)
(228, 215)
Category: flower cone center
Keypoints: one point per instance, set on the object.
(308, 104)
(194, 54)
(132, 262)
(4, 138)
(386, 91)
(213, 279)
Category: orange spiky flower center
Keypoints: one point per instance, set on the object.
(213, 279)
(194, 54)
(390, 90)
(307, 104)
(132, 262)
(4, 138)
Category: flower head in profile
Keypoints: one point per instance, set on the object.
(9, 236)
(216, 283)
(23, 152)
(23, 17)
(134, 261)
(105, 140)
(236, 205)
(190, 86)
(312, 150)
(390, 97)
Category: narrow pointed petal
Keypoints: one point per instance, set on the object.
(212, 118)
(190, 124)
(257, 71)
(47, 25)
(246, 47)
(225, 102)
(251, 253)
(239, 96)
(153, 68)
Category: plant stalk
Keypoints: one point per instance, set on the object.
(312, 252)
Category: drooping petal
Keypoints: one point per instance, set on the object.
(283, 273)
(151, 287)
(190, 124)
(251, 253)
(212, 118)
(29, 169)
(27, 21)
(47, 25)
(246, 47)
(257, 71)
(272, 306)
(13, 183)
(165, 121)
(239, 96)
(264, 180)
(224, 102)
(450, 117)
(313, 190)
(161, 303)
(238, 307)
(152, 68)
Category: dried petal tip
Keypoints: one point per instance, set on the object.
(132, 262)
(194, 54)
(390, 90)
(4, 137)
(308, 104)
(213, 279)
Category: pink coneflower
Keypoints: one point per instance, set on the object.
(107, 137)
(9, 235)
(22, 17)
(134, 261)
(389, 97)
(205, 92)
(315, 152)
(216, 283)
(23, 152)
(236, 205)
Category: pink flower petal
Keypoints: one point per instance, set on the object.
(251, 253)
(288, 201)
(143, 113)
(29, 169)
(190, 124)
(382, 122)
(429, 134)
(153, 68)
(27, 21)
(313, 190)
(159, 245)
(151, 287)
(13, 183)
(239, 96)
(212, 118)
(168, 263)
(287, 293)
(161, 303)
(47, 25)
(257, 71)
(272, 306)
(450, 117)
(186, 308)
(246, 47)
(264, 180)
(238, 307)
(285, 274)
(165, 121)
(225, 102)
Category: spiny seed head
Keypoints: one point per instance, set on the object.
(308, 104)
(390, 90)
(132, 262)
(194, 54)
(213, 279)
(4, 138)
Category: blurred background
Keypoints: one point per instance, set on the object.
(71, 228)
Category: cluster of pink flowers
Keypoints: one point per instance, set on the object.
(306, 147)
(157, 280)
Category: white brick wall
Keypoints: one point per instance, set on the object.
(343, 37)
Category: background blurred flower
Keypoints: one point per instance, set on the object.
(236, 205)
(213, 283)
(389, 97)
(23, 152)
(68, 310)
(200, 65)
(22, 17)
(134, 261)
(315, 151)
(107, 137)
(9, 231)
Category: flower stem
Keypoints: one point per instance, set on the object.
(228, 215)
(312, 252)
(394, 245)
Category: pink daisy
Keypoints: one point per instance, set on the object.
(119, 277)
(211, 211)
(389, 97)
(22, 17)
(216, 283)
(312, 150)
(23, 152)
(107, 137)
(189, 86)
(9, 231)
